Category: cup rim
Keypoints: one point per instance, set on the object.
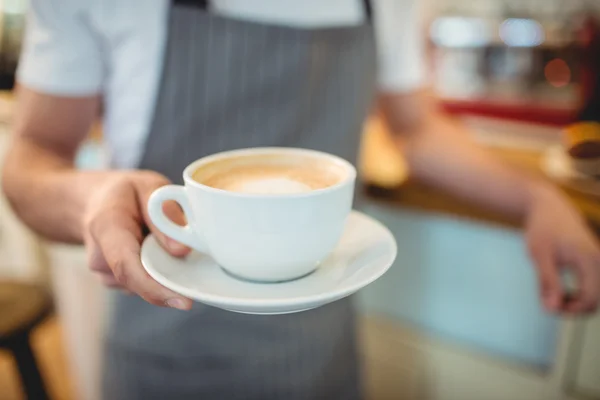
(350, 169)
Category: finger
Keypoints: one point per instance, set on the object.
(171, 210)
(174, 212)
(96, 261)
(97, 264)
(551, 291)
(119, 237)
(586, 297)
(130, 273)
(109, 281)
(117, 286)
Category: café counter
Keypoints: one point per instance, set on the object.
(387, 180)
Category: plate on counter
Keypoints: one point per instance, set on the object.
(556, 164)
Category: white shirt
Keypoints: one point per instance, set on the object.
(116, 47)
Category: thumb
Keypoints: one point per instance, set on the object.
(171, 210)
(551, 290)
(174, 212)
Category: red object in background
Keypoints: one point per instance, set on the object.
(558, 73)
(517, 112)
(588, 107)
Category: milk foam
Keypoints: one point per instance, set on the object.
(270, 174)
(275, 185)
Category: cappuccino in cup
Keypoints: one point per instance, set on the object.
(263, 214)
(270, 174)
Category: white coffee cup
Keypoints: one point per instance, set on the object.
(259, 237)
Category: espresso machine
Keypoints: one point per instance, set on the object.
(523, 60)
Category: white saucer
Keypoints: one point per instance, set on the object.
(365, 252)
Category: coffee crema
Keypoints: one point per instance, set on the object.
(270, 174)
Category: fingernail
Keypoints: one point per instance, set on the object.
(176, 303)
(175, 246)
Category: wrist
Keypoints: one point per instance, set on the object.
(77, 189)
(536, 191)
(540, 192)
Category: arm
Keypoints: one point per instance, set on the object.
(61, 75)
(441, 153)
(39, 179)
(60, 81)
(438, 151)
(104, 210)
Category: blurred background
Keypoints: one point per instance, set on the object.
(457, 317)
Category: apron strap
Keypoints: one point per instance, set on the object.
(203, 5)
(368, 10)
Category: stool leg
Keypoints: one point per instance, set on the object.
(31, 379)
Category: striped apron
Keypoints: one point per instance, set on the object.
(228, 84)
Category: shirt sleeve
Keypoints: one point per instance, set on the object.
(401, 41)
(61, 53)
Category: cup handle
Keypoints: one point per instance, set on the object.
(183, 234)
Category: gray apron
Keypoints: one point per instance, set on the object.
(229, 84)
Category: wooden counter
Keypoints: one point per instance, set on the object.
(378, 159)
